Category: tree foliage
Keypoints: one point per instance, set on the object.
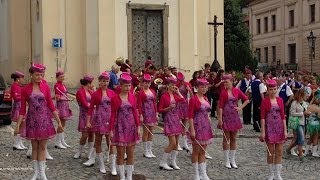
(237, 38)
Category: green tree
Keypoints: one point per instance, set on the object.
(236, 38)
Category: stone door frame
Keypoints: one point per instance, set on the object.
(165, 16)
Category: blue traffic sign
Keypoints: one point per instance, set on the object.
(57, 43)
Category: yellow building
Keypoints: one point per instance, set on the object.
(95, 32)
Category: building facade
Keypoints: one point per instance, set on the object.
(96, 32)
(279, 32)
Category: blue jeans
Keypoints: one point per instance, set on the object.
(300, 135)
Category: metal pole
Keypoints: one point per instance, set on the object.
(215, 38)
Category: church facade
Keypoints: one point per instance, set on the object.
(94, 33)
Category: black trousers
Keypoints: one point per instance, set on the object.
(247, 113)
(256, 115)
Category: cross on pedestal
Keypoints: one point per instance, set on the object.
(215, 65)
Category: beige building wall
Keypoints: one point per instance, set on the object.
(284, 34)
(94, 34)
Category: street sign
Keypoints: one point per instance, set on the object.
(57, 43)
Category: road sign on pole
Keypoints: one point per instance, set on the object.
(57, 43)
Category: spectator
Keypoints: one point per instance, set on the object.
(113, 77)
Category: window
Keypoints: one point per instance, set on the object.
(291, 18)
(258, 26)
(266, 24)
(312, 13)
(274, 53)
(292, 53)
(266, 54)
(258, 54)
(273, 19)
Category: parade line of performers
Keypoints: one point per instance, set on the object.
(120, 107)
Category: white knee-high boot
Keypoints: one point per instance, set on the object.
(233, 159)
(164, 162)
(203, 171)
(42, 167)
(36, 170)
(92, 159)
(196, 171)
(113, 164)
(226, 157)
(121, 172)
(271, 171)
(129, 172)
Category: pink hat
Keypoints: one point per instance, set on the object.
(88, 78)
(59, 73)
(171, 80)
(180, 76)
(19, 74)
(227, 77)
(202, 82)
(146, 78)
(271, 83)
(104, 75)
(125, 78)
(38, 68)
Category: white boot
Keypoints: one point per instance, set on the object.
(179, 147)
(121, 172)
(314, 151)
(149, 146)
(208, 156)
(42, 167)
(92, 159)
(226, 157)
(21, 143)
(196, 171)
(146, 151)
(203, 171)
(164, 162)
(16, 143)
(174, 159)
(48, 156)
(271, 176)
(113, 164)
(293, 152)
(233, 159)
(101, 162)
(29, 152)
(185, 143)
(90, 149)
(278, 172)
(63, 142)
(78, 154)
(36, 170)
(129, 172)
(58, 143)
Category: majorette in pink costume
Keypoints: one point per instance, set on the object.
(61, 99)
(84, 98)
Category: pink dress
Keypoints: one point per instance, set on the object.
(125, 130)
(148, 111)
(202, 125)
(230, 117)
(274, 126)
(62, 103)
(183, 106)
(39, 125)
(16, 96)
(172, 125)
(83, 112)
(101, 118)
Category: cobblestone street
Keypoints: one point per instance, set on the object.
(251, 159)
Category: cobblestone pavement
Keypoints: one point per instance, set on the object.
(251, 159)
